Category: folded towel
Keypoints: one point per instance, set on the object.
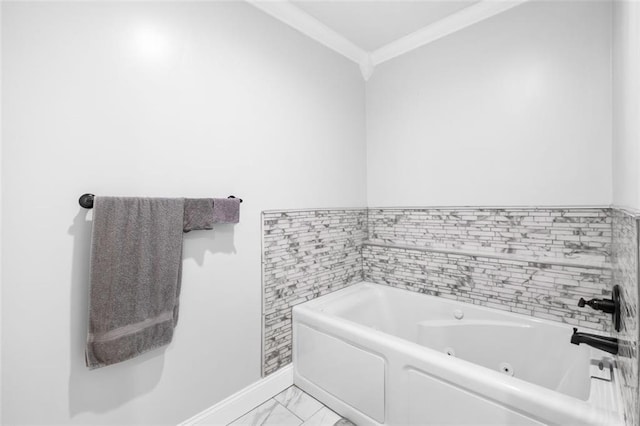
(226, 210)
(136, 259)
(198, 214)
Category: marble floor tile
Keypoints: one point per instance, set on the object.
(269, 413)
(298, 402)
(323, 417)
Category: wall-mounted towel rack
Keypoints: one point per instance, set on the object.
(86, 200)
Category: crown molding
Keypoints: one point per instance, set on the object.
(293, 16)
(366, 67)
(450, 24)
(310, 26)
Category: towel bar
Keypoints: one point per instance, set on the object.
(86, 200)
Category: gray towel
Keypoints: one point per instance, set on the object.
(226, 210)
(136, 259)
(198, 214)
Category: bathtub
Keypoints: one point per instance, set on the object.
(379, 355)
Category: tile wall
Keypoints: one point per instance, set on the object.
(538, 289)
(535, 261)
(625, 251)
(306, 254)
(578, 235)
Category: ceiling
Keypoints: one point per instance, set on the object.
(370, 32)
(373, 24)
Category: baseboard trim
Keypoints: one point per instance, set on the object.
(229, 409)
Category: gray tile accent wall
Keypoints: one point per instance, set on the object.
(531, 288)
(534, 261)
(579, 234)
(625, 250)
(306, 254)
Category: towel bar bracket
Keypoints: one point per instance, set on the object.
(86, 200)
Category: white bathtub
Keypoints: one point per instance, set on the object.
(380, 355)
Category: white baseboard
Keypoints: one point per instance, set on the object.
(229, 409)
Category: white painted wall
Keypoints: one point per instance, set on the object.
(0, 216)
(626, 103)
(514, 110)
(156, 99)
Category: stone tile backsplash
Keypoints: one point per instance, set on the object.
(534, 261)
(625, 249)
(581, 234)
(531, 288)
(306, 254)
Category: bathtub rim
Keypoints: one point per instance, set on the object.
(319, 302)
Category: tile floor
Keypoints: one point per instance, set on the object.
(291, 407)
